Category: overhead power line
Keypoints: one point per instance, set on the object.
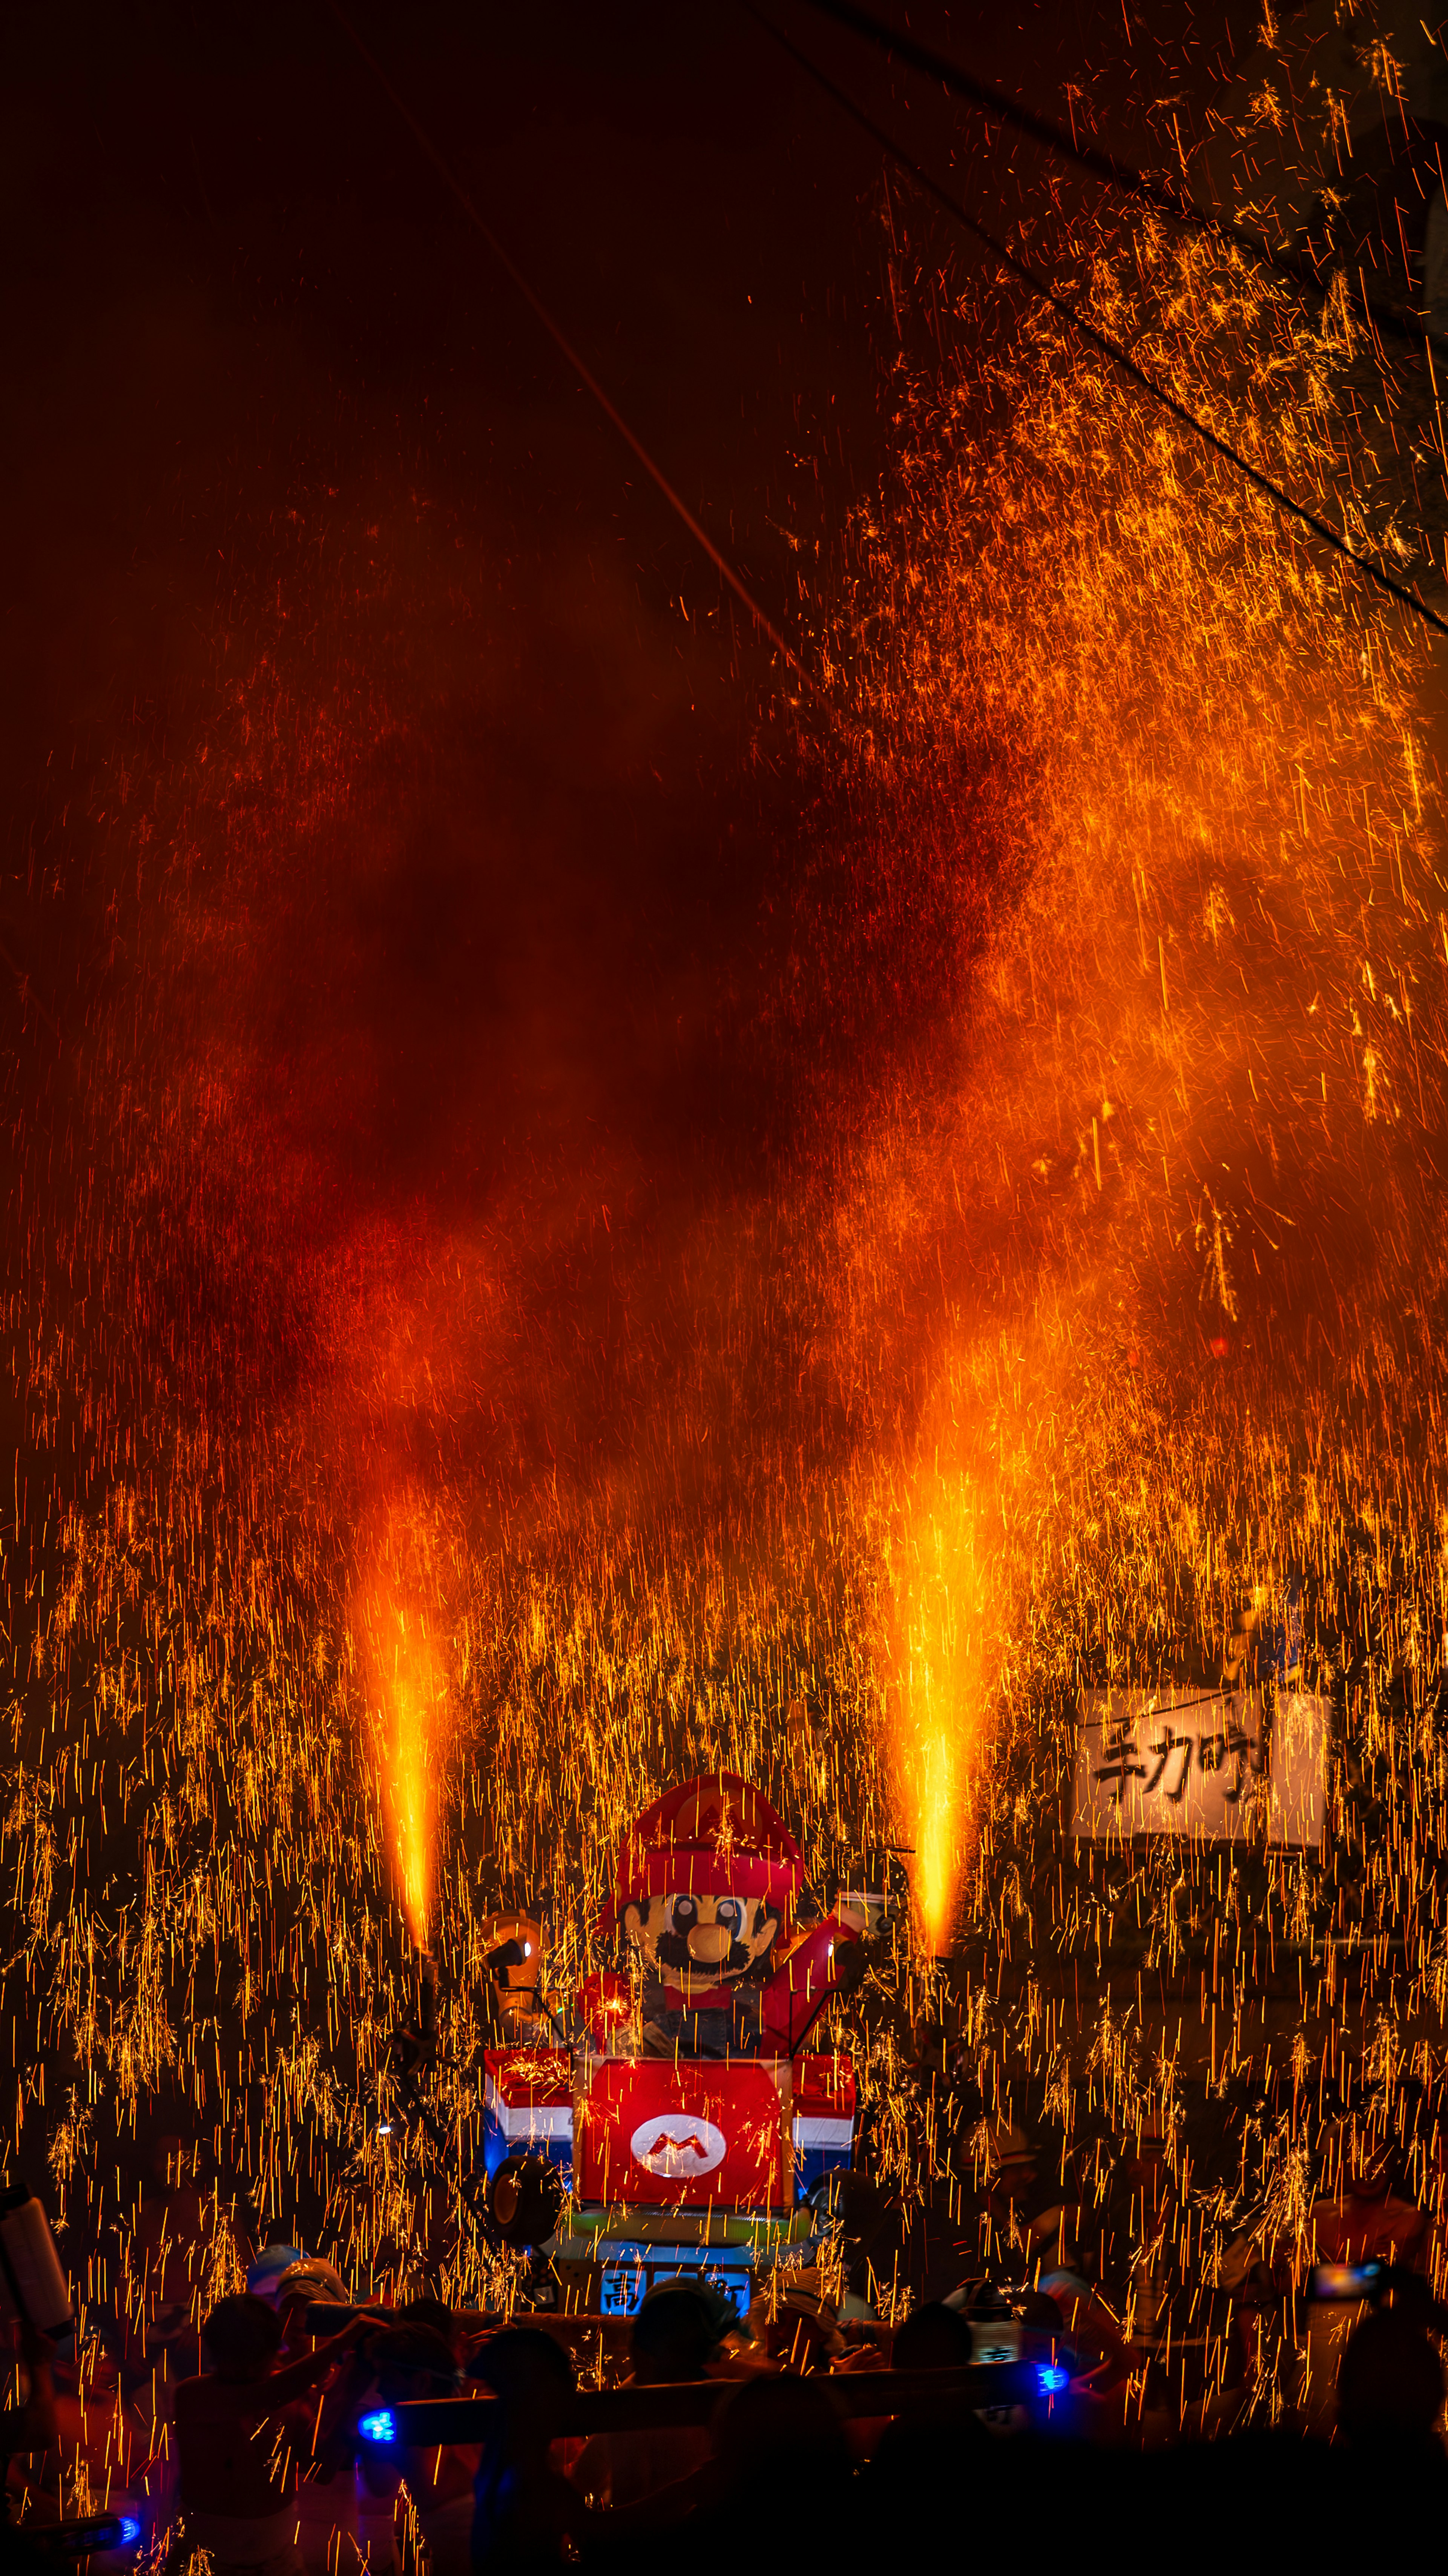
(584, 373)
(1042, 129)
(1121, 175)
(1076, 321)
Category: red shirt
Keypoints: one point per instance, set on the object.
(1369, 2231)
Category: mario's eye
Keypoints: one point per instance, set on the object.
(730, 1913)
(685, 1914)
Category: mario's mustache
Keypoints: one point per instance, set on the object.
(673, 1952)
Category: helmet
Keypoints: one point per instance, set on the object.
(312, 2277)
(512, 1949)
(264, 2276)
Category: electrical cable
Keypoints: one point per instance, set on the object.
(1122, 175)
(584, 374)
(1076, 321)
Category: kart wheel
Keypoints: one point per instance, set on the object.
(524, 2198)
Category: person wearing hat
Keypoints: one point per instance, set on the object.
(800, 2330)
(237, 2485)
(704, 1889)
(265, 2275)
(327, 2531)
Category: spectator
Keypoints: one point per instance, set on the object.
(265, 2276)
(1390, 2388)
(802, 2334)
(674, 2338)
(327, 2531)
(399, 2364)
(110, 2450)
(31, 2426)
(1372, 2220)
(525, 2512)
(238, 2490)
(784, 2470)
(427, 2311)
(917, 2461)
(1369, 2221)
(311, 2277)
(933, 2338)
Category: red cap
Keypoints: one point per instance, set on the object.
(716, 1836)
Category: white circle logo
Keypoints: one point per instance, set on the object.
(678, 2145)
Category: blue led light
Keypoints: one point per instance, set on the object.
(381, 2427)
(1051, 2378)
(130, 2531)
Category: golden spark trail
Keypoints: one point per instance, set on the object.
(406, 1704)
(406, 1688)
(939, 1590)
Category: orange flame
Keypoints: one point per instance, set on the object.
(395, 1619)
(940, 1608)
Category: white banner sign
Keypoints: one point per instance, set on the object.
(1223, 1766)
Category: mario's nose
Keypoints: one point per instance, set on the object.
(709, 1942)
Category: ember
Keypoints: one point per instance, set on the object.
(729, 1470)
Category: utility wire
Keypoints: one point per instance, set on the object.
(1122, 175)
(1042, 129)
(1076, 321)
(584, 374)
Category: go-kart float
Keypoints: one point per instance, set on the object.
(693, 2134)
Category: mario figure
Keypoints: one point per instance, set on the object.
(704, 1890)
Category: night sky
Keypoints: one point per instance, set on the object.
(246, 325)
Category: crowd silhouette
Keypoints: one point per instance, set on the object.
(265, 2429)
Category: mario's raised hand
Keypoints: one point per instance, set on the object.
(862, 1910)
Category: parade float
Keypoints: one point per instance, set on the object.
(678, 2118)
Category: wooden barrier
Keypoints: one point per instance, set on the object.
(427, 2423)
(607, 2334)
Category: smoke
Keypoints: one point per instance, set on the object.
(394, 1103)
(1143, 1264)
